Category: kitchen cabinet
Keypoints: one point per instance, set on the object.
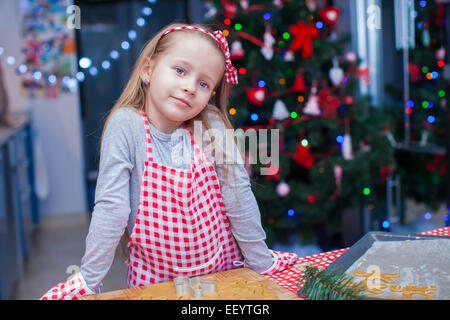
(19, 213)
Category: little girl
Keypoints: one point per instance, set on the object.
(185, 214)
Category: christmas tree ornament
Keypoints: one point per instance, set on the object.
(278, 4)
(348, 100)
(299, 84)
(347, 152)
(244, 4)
(280, 111)
(211, 10)
(364, 72)
(311, 4)
(304, 157)
(269, 40)
(289, 56)
(426, 39)
(257, 96)
(391, 138)
(336, 73)
(329, 103)
(283, 189)
(330, 15)
(303, 35)
(312, 105)
(338, 176)
(229, 8)
(351, 57)
(384, 172)
(237, 53)
(440, 53)
(415, 72)
(364, 147)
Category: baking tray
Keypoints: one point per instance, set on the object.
(346, 260)
(357, 250)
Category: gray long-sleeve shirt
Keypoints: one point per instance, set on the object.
(117, 192)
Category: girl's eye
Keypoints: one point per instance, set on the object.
(179, 70)
(203, 84)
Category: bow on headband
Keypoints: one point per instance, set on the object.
(230, 71)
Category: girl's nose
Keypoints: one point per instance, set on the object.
(189, 86)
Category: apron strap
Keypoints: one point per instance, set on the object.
(147, 135)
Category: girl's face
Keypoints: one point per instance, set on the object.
(182, 80)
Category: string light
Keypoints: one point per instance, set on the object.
(22, 69)
(305, 143)
(114, 54)
(232, 111)
(242, 70)
(227, 22)
(106, 65)
(386, 224)
(125, 45)
(132, 35)
(11, 60)
(93, 71)
(85, 63)
(146, 11)
(140, 22)
(291, 212)
(238, 26)
(254, 117)
(340, 139)
(294, 115)
(366, 191)
(80, 76)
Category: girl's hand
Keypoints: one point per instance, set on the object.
(72, 289)
(282, 261)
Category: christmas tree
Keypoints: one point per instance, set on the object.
(296, 74)
(426, 108)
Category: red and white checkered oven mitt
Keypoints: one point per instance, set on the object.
(282, 261)
(72, 289)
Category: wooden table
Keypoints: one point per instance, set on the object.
(235, 274)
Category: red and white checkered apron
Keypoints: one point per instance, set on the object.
(181, 228)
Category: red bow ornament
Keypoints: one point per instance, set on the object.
(303, 35)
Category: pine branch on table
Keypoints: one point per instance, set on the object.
(328, 285)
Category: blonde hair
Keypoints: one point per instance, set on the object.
(135, 93)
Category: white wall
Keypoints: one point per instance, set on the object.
(57, 123)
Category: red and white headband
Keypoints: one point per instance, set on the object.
(230, 71)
